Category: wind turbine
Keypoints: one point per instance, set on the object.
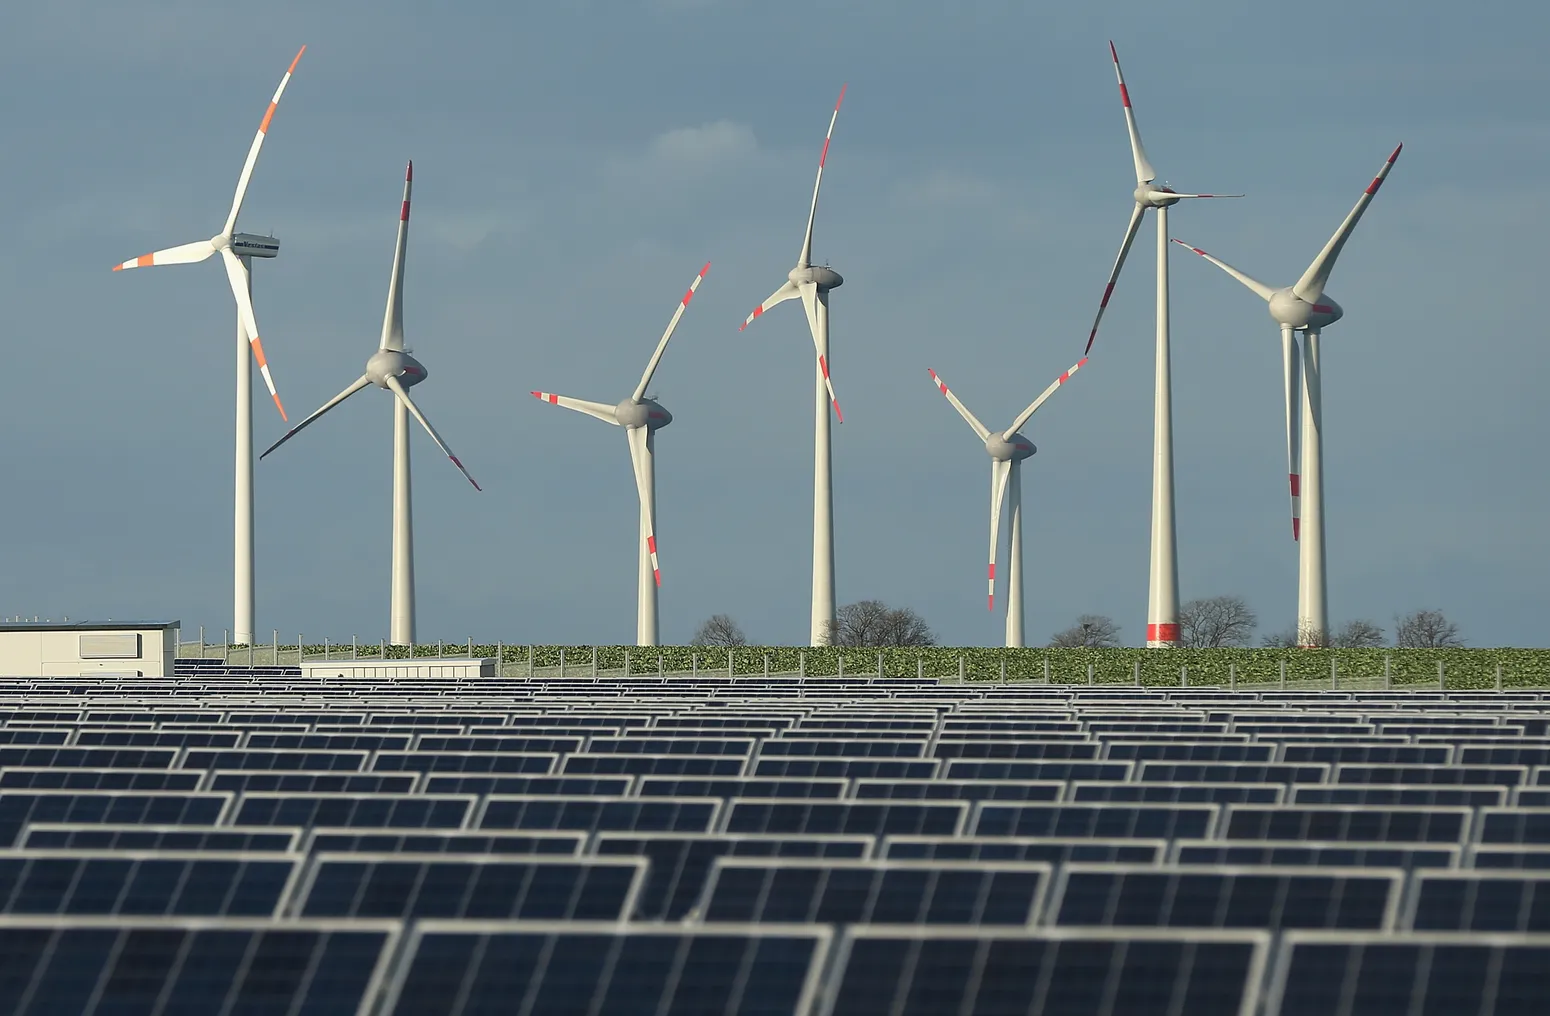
(393, 369)
(1162, 601)
(1007, 449)
(1305, 307)
(237, 251)
(641, 417)
(812, 284)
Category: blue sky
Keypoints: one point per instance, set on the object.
(576, 163)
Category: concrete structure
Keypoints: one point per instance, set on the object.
(425, 666)
(74, 648)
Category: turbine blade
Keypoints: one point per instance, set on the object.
(807, 238)
(237, 275)
(1144, 171)
(963, 411)
(1185, 197)
(258, 143)
(999, 472)
(781, 295)
(1263, 291)
(184, 254)
(603, 412)
(397, 388)
(1291, 371)
(355, 386)
(810, 300)
(1119, 262)
(656, 357)
(393, 317)
(1311, 286)
(643, 488)
(1033, 407)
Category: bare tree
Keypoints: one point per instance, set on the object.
(1305, 637)
(719, 630)
(1091, 631)
(874, 623)
(1358, 634)
(1425, 629)
(1215, 622)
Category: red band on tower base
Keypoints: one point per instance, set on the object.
(1162, 633)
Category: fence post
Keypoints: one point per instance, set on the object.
(1334, 681)
(1184, 676)
(1138, 673)
(1232, 677)
(500, 658)
(1046, 668)
(594, 661)
(766, 665)
(1388, 679)
(1283, 673)
(327, 655)
(470, 647)
(275, 646)
(730, 671)
(626, 662)
(1089, 674)
(920, 665)
(298, 651)
(1442, 684)
(962, 669)
(201, 642)
(879, 664)
(382, 650)
(1498, 677)
(250, 656)
(530, 659)
(225, 643)
(441, 649)
(562, 661)
(1003, 665)
(694, 664)
(841, 658)
(802, 664)
(660, 671)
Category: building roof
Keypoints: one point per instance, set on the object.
(23, 626)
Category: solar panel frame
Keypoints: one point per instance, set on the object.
(846, 768)
(1385, 795)
(250, 805)
(1280, 977)
(1508, 857)
(370, 990)
(10, 889)
(494, 804)
(994, 813)
(1174, 793)
(284, 839)
(514, 763)
(1234, 828)
(416, 935)
(1521, 826)
(327, 838)
(81, 778)
(846, 948)
(1183, 852)
(737, 812)
(75, 800)
(1531, 894)
(907, 847)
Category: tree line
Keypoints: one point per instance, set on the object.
(1210, 622)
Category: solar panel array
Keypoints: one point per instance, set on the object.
(259, 843)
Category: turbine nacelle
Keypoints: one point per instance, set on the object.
(646, 413)
(1014, 450)
(386, 363)
(249, 245)
(1287, 308)
(822, 276)
(1151, 195)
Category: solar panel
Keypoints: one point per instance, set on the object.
(1189, 751)
(435, 841)
(1232, 772)
(19, 807)
(841, 748)
(1501, 825)
(160, 738)
(1504, 755)
(1146, 821)
(375, 811)
(242, 781)
(638, 745)
(759, 891)
(1352, 974)
(21, 778)
(880, 818)
(67, 836)
(1318, 855)
(848, 768)
(1035, 769)
(656, 765)
(739, 786)
(984, 972)
(535, 969)
(960, 790)
(1177, 793)
(1481, 901)
(94, 758)
(34, 736)
(415, 886)
(1456, 775)
(1050, 849)
(983, 749)
(514, 744)
(173, 966)
(1224, 897)
(1394, 824)
(330, 742)
(464, 762)
(1369, 754)
(608, 786)
(140, 883)
(595, 814)
(681, 862)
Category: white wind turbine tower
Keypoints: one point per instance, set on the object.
(1007, 449)
(237, 251)
(812, 284)
(1305, 307)
(393, 369)
(1162, 601)
(641, 417)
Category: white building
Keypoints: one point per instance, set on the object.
(76, 648)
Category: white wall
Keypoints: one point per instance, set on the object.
(43, 653)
